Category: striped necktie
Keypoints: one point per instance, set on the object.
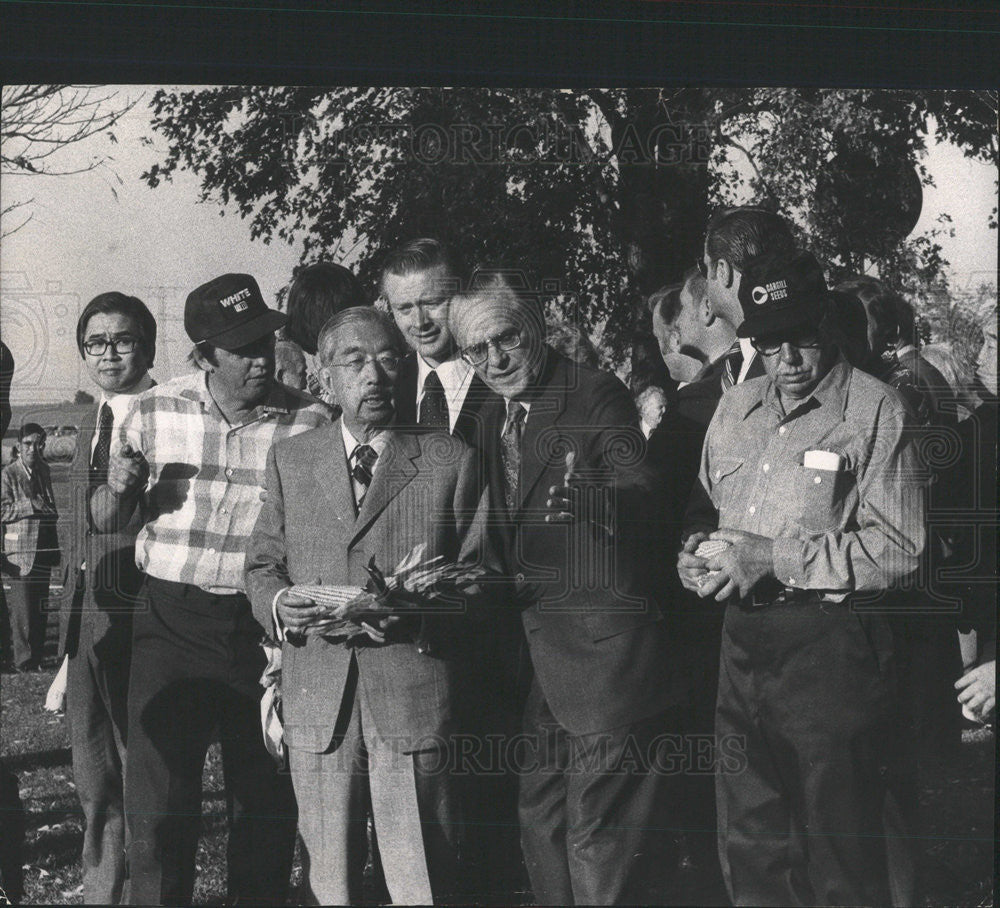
(734, 362)
(364, 466)
(102, 450)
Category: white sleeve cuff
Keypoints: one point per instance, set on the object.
(279, 628)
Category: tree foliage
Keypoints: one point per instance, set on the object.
(597, 197)
(40, 122)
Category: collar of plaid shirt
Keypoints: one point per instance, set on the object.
(206, 477)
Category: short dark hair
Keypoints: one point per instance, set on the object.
(422, 254)
(847, 322)
(120, 304)
(318, 292)
(30, 428)
(740, 234)
(880, 305)
(906, 320)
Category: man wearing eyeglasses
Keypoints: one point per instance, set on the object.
(734, 237)
(369, 707)
(571, 495)
(811, 491)
(116, 337)
(190, 460)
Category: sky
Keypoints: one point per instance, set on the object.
(106, 230)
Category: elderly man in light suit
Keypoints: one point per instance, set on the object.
(367, 717)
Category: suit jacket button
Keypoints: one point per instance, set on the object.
(519, 578)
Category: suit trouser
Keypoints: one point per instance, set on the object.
(96, 708)
(809, 810)
(28, 617)
(596, 809)
(412, 800)
(197, 662)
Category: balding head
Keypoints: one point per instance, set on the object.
(501, 332)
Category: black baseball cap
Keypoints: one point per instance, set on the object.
(779, 292)
(229, 312)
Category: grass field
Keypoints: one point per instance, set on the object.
(957, 804)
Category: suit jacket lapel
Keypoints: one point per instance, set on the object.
(468, 425)
(405, 398)
(538, 445)
(393, 473)
(333, 480)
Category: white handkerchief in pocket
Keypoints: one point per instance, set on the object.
(823, 460)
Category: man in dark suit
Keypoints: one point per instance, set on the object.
(367, 717)
(566, 470)
(116, 336)
(686, 324)
(734, 237)
(436, 387)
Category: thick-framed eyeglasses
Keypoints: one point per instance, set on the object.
(770, 346)
(387, 361)
(477, 354)
(121, 345)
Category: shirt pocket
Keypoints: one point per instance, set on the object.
(818, 503)
(727, 478)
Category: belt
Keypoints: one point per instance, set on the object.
(783, 596)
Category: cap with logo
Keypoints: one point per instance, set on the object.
(229, 312)
(780, 292)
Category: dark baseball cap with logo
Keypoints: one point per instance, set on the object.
(229, 312)
(781, 292)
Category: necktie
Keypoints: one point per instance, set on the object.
(102, 450)
(364, 465)
(734, 362)
(510, 453)
(433, 406)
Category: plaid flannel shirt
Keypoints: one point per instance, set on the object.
(206, 477)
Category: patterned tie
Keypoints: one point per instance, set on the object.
(364, 465)
(734, 362)
(102, 450)
(510, 453)
(433, 406)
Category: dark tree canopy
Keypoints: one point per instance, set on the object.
(598, 196)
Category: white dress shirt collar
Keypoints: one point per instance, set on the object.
(749, 352)
(119, 403)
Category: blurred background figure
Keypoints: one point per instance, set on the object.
(877, 356)
(960, 378)
(11, 808)
(651, 403)
(318, 292)
(978, 546)
(928, 378)
(31, 546)
(290, 364)
(572, 343)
